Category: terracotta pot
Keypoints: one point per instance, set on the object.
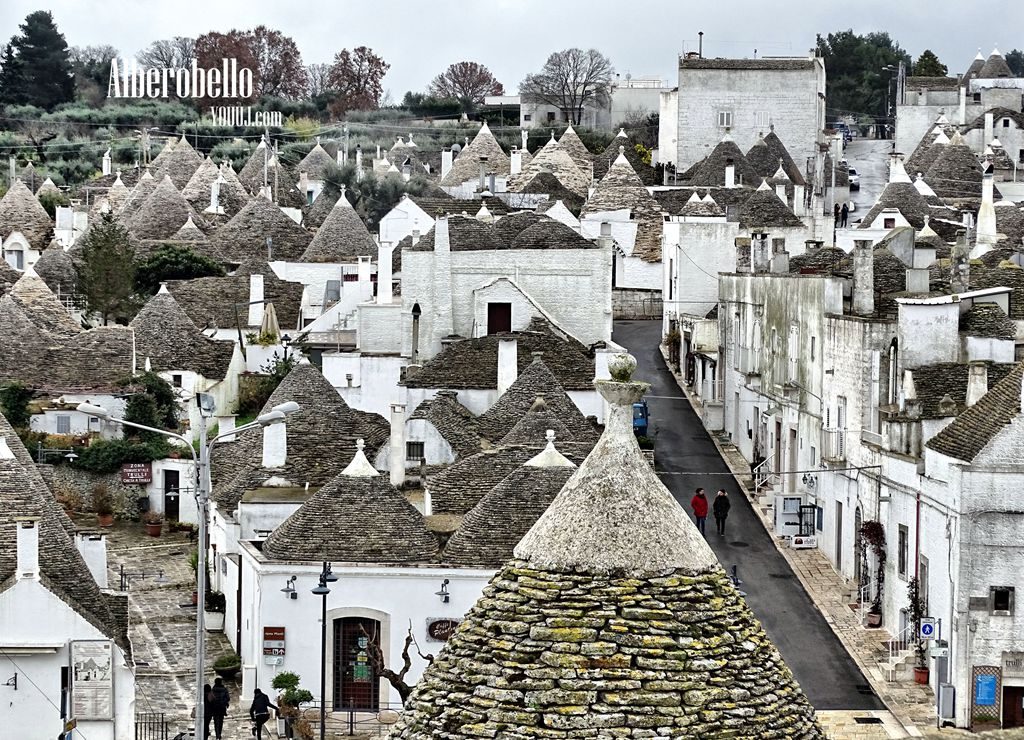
(153, 530)
(105, 520)
(920, 675)
(874, 620)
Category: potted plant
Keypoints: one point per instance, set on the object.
(916, 613)
(154, 522)
(290, 720)
(103, 505)
(227, 666)
(873, 535)
(214, 611)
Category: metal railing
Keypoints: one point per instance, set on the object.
(764, 476)
(898, 645)
(833, 444)
(151, 726)
(717, 387)
(863, 602)
(352, 719)
(748, 361)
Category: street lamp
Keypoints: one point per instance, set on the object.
(321, 590)
(201, 461)
(889, 112)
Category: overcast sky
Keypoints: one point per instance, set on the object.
(419, 38)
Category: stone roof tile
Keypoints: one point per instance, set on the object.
(972, 430)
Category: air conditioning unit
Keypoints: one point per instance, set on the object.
(803, 542)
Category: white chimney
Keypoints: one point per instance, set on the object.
(604, 240)
(989, 129)
(363, 272)
(415, 237)
(977, 382)
(275, 445)
(106, 162)
(428, 503)
(256, 298)
(226, 424)
(215, 206)
(304, 185)
(986, 233)
(92, 546)
(384, 274)
(963, 104)
(28, 548)
(446, 162)
(524, 136)
(441, 242)
(863, 277)
(396, 452)
(483, 173)
(730, 174)
(359, 158)
(515, 159)
(798, 201)
(508, 363)
(780, 190)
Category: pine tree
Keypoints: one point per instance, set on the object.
(37, 65)
(107, 271)
(928, 65)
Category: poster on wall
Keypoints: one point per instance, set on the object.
(92, 679)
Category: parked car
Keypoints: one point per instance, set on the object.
(854, 179)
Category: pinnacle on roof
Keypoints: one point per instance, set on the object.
(163, 213)
(358, 517)
(615, 540)
(922, 187)
(342, 237)
(21, 211)
(995, 67)
(466, 166)
(897, 172)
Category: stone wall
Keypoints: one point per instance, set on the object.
(65, 479)
(636, 303)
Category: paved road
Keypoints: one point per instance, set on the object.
(870, 157)
(826, 672)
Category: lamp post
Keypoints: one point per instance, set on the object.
(201, 461)
(321, 590)
(890, 70)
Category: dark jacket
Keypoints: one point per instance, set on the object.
(699, 504)
(221, 700)
(721, 506)
(261, 707)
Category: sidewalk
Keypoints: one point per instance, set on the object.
(911, 707)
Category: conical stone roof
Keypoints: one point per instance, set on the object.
(956, 173)
(48, 186)
(761, 158)
(624, 145)
(613, 619)
(117, 195)
(314, 214)
(142, 190)
(21, 211)
(42, 307)
(779, 151)
(342, 237)
(251, 174)
(357, 518)
(764, 209)
(621, 188)
(179, 164)
(926, 152)
(995, 67)
(571, 142)
(466, 166)
(57, 269)
(316, 163)
(231, 195)
(246, 234)
(165, 150)
(164, 212)
(712, 172)
(534, 425)
(556, 160)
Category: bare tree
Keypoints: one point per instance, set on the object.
(465, 81)
(317, 76)
(279, 70)
(569, 80)
(396, 679)
(176, 52)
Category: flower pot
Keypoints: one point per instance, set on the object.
(105, 520)
(873, 620)
(227, 673)
(153, 530)
(214, 621)
(921, 674)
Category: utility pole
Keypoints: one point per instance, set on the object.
(266, 153)
(346, 143)
(277, 169)
(201, 500)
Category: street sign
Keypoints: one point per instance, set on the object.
(927, 627)
(273, 641)
(939, 652)
(137, 473)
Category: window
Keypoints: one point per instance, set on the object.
(63, 424)
(819, 518)
(725, 119)
(413, 450)
(527, 117)
(762, 119)
(814, 456)
(889, 223)
(671, 280)
(977, 97)
(309, 197)
(814, 341)
(1006, 123)
(551, 116)
(1000, 600)
(499, 317)
(902, 550)
(176, 381)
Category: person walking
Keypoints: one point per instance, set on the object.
(838, 214)
(720, 507)
(207, 709)
(221, 700)
(259, 712)
(844, 214)
(699, 504)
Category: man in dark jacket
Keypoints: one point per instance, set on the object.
(259, 712)
(844, 214)
(721, 507)
(699, 504)
(221, 700)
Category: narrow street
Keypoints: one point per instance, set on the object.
(689, 459)
(870, 157)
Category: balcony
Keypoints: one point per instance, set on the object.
(833, 445)
(748, 361)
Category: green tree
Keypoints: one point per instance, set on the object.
(928, 65)
(42, 73)
(1016, 61)
(858, 82)
(172, 262)
(51, 201)
(154, 406)
(107, 272)
(14, 399)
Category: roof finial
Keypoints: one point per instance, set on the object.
(360, 467)
(550, 436)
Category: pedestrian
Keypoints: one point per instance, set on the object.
(845, 214)
(259, 712)
(720, 508)
(699, 504)
(221, 702)
(835, 210)
(207, 710)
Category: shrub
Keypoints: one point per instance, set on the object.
(152, 517)
(14, 400)
(291, 695)
(107, 456)
(227, 662)
(102, 501)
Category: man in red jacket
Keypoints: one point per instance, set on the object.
(699, 504)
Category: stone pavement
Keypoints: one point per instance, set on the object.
(911, 707)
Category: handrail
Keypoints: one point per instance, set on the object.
(898, 644)
(764, 475)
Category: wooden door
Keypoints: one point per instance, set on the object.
(356, 684)
(172, 504)
(499, 317)
(1013, 706)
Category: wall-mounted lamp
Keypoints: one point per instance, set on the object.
(289, 589)
(443, 593)
(12, 681)
(810, 480)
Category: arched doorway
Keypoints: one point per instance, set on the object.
(356, 684)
